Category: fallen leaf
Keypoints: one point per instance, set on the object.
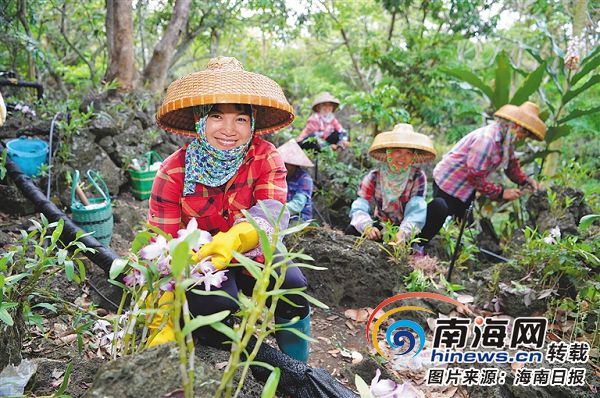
(221, 365)
(350, 325)
(325, 339)
(356, 357)
(57, 373)
(515, 366)
(332, 317)
(68, 338)
(359, 315)
(465, 298)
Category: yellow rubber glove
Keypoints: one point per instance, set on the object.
(167, 333)
(241, 238)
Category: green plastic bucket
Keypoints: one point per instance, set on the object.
(141, 181)
(95, 218)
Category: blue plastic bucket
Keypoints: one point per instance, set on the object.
(28, 153)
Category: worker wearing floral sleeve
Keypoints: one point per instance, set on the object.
(397, 188)
(465, 169)
(226, 168)
(300, 183)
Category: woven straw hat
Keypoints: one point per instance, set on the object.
(403, 136)
(291, 153)
(323, 98)
(526, 115)
(224, 81)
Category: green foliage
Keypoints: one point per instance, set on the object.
(416, 281)
(30, 265)
(553, 257)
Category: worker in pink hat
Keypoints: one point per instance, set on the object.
(322, 128)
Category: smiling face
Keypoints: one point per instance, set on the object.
(400, 159)
(228, 126)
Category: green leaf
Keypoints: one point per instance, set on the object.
(569, 95)
(587, 68)
(58, 230)
(181, 255)
(5, 317)
(363, 388)
(469, 77)
(141, 239)
(311, 299)
(554, 133)
(48, 306)
(204, 320)
(502, 85)
(70, 270)
(270, 387)
(588, 220)
(220, 293)
(578, 113)
(226, 330)
(117, 267)
(65, 383)
(295, 228)
(251, 266)
(529, 86)
(590, 56)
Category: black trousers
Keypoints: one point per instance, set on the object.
(436, 210)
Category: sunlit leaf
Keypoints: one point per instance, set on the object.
(578, 113)
(469, 77)
(569, 95)
(503, 78)
(204, 320)
(529, 86)
(270, 387)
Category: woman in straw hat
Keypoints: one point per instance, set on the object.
(322, 127)
(299, 182)
(225, 169)
(465, 169)
(397, 187)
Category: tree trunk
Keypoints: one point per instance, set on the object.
(155, 73)
(119, 37)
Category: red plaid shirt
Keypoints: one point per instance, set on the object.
(261, 176)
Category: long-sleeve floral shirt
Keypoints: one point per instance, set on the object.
(467, 166)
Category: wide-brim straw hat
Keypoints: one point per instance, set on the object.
(526, 115)
(323, 98)
(403, 136)
(291, 153)
(224, 81)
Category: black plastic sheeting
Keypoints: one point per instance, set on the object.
(103, 257)
(297, 379)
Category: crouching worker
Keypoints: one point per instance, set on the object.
(322, 128)
(226, 168)
(465, 169)
(397, 188)
(299, 182)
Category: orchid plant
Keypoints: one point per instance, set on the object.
(384, 388)
(158, 264)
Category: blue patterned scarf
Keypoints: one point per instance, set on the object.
(207, 165)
